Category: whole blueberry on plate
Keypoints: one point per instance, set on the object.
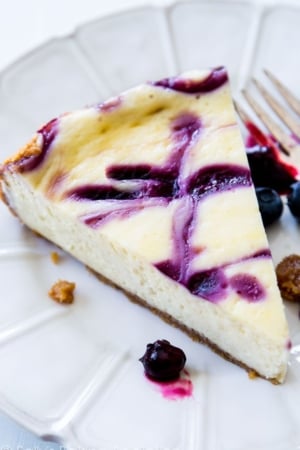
(293, 199)
(162, 361)
(268, 169)
(270, 204)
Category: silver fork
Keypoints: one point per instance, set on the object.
(289, 143)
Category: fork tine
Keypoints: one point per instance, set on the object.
(285, 116)
(242, 113)
(260, 137)
(290, 98)
(286, 142)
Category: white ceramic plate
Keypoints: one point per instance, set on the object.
(72, 373)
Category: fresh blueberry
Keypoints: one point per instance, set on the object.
(162, 361)
(270, 204)
(293, 200)
(268, 170)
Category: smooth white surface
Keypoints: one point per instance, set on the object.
(37, 386)
(24, 25)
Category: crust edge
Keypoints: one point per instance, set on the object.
(32, 148)
(194, 335)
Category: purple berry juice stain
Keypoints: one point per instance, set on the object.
(110, 105)
(179, 389)
(48, 134)
(248, 287)
(217, 178)
(209, 284)
(216, 78)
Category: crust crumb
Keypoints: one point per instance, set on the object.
(288, 278)
(55, 257)
(62, 292)
(252, 374)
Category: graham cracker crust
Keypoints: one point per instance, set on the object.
(30, 149)
(194, 335)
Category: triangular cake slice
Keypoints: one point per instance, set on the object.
(152, 191)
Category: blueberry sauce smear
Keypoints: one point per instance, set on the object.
(214, 80)
(207, 181)
(162, 182)
(169, 268)
(162, 361)
(48, 133)
(134, 172)
(218, 178)
(185, 128)
(248, 287)
(106, 192)
(99, 192)
(209, 284)
(265, 253)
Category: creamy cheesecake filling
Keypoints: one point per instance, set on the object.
(129, 182)
(143, 181)
(160, 173)
(244, 339)
(197, 250)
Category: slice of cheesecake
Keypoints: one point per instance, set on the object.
(152, 191)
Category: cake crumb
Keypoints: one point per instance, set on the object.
(62, 292)
(55, 257)
(288, 278)
(252, 374)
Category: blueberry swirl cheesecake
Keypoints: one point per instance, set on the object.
(152, 191)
